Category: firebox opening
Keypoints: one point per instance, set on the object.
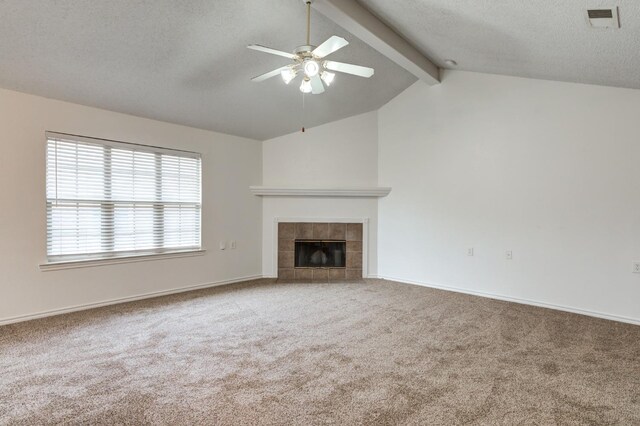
(320, 253)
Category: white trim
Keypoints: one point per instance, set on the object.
(365, 237)
(73, 264)
(83, 307)
(280, 191)
(589, 313)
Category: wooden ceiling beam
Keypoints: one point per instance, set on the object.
(356, 19)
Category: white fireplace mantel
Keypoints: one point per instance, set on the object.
(355, 192)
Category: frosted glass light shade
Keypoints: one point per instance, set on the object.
(305, 87)
(288, 75)
(327, 77)
(311, 68)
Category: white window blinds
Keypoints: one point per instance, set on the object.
(108, 199)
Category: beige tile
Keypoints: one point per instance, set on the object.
(285, 259)
(321, 231)
(354, 232)
(286, 274)
(354, 246)
(337, 274)
(304, 231)
(354, 274)
(286, 231)
(303, 274)
(354, 260)
(337, 231)
(320, 275)
(286, 245)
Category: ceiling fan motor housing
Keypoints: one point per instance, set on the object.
(304, 51)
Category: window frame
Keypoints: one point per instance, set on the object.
(64, 261)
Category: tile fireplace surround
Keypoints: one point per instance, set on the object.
(289, 232)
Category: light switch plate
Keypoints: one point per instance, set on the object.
(223, 245)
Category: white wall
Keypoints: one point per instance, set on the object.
(549, 170)
(339, 154)
(230, 165)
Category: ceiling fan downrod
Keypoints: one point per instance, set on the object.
(308, 21)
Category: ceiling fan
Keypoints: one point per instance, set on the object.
(310, 61)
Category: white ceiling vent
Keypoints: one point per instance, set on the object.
(603, 17)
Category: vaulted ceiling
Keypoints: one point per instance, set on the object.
(186, 61)
(546, 39)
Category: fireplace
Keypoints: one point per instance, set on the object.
(319, 252)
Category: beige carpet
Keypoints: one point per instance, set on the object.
(356, 353)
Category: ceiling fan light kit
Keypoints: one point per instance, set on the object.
(288, 75)
(327, 77)
(309, 61)
(305, 86)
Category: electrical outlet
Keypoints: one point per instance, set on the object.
(470, 251)
(636, 267)
(232, 243)
(509, 255)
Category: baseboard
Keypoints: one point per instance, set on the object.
(517, 300)
(53, 312)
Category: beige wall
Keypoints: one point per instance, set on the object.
(230, 165)
(339, 154)
(545, 169)
(548, 170)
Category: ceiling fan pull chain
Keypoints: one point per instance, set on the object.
(303, 112)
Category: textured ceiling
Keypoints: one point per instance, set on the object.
(184, 61)
(547, 39)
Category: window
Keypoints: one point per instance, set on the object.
(112, 199)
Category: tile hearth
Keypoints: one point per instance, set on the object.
(289, 232)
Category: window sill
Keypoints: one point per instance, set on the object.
(85, 263)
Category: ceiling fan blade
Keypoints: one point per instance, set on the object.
(269, 74)
(349, 68)
(271, 51)
(332, 44)
(316, 85)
